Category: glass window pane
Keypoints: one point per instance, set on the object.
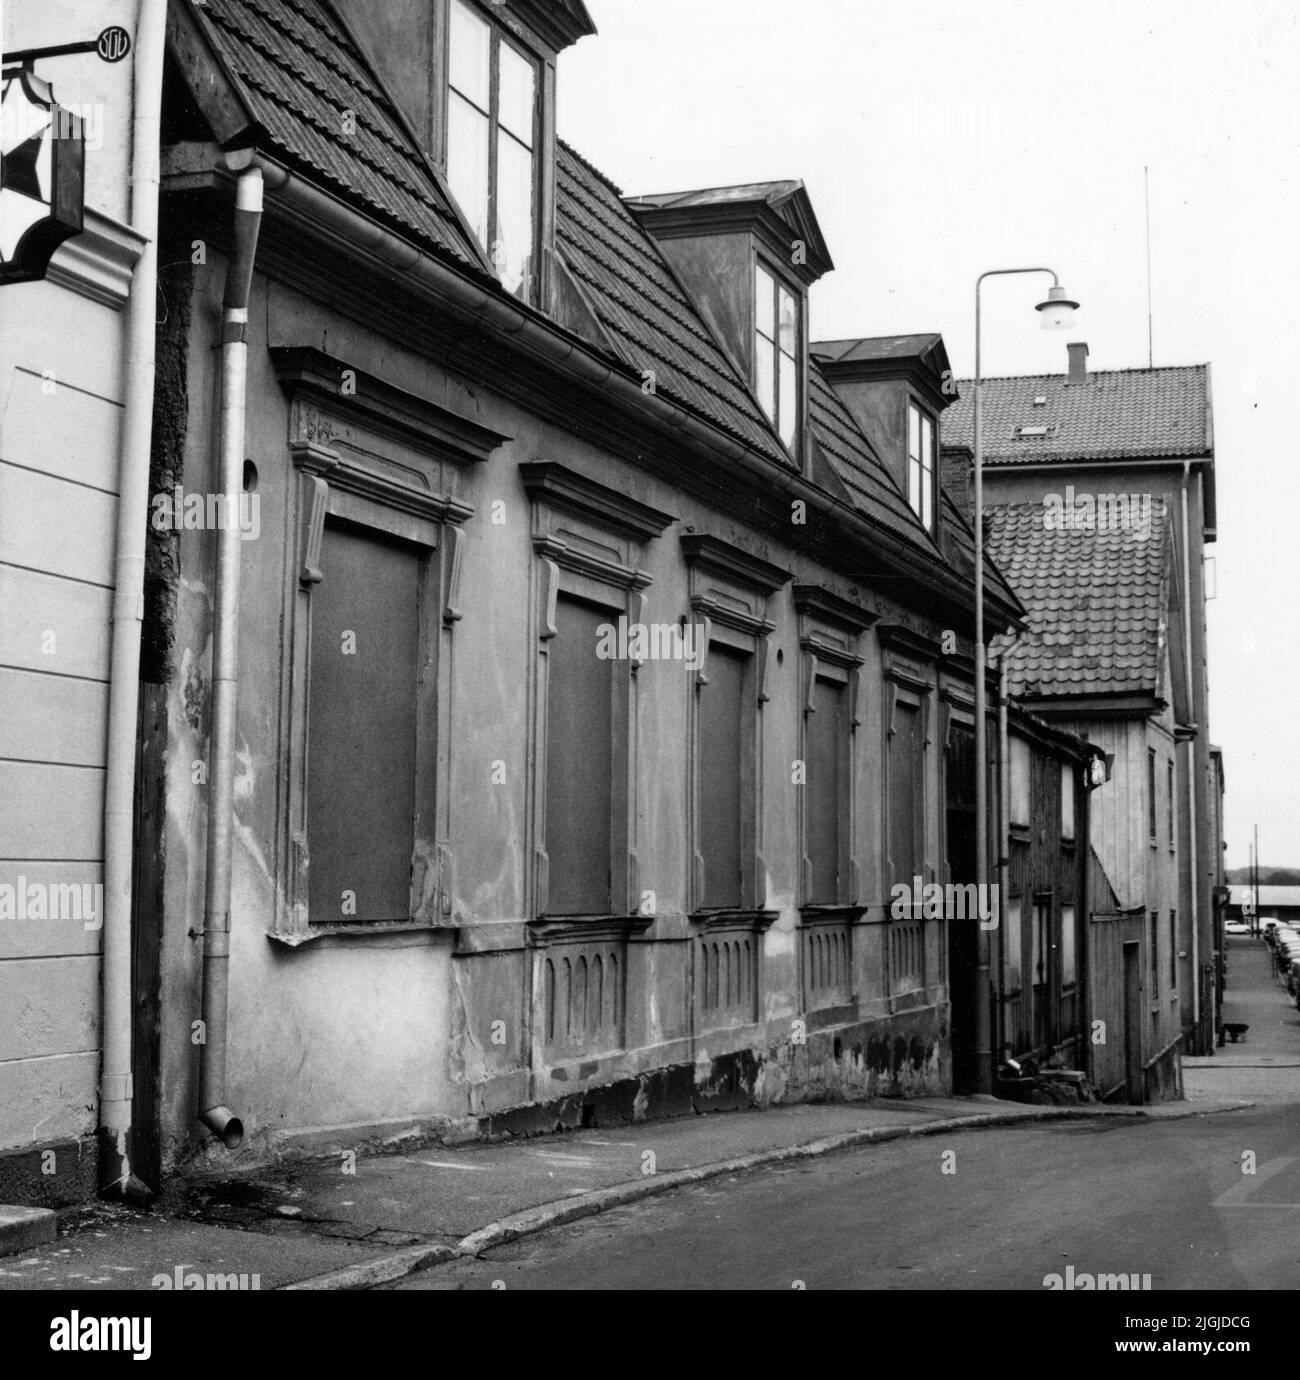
(470, 48)
(1019, 781)
(764, 371)
(512, 247)
(914, 486)
(1012, 960)
(517, 82)
(1068, 967)
(927, 444)
(765, 302)
(927, 499)
(787, 323)
(789, 401)
(467, 162)
(913, 432)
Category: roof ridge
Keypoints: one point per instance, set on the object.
(1092, 373)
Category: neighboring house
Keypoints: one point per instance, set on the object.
(1043, 956)
(1101, 451)
(1102, 658)
(61, 400)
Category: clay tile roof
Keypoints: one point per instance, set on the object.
(643, 308)
(1097, 600)
(1118, 414)
(297, 73)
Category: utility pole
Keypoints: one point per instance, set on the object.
(1254, 920)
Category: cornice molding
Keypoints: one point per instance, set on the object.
(560, 487)
(895, 637)
(821, 604)
(382, 407)
(99, 262)
(718, 557)
(557, 23)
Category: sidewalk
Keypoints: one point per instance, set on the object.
(314, 1224)
(1265, 1067)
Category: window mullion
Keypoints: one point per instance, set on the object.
(494, 118)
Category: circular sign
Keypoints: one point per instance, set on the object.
(113, 43)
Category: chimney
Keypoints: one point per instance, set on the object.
(1078, 352)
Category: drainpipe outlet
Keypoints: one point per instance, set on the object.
(225, 1125)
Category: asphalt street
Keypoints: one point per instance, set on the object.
(1207, 1202)
(1166, 1199)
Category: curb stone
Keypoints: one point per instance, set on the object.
(533, 1220)
(25, 1228)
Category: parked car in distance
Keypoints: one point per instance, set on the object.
(1236, 927)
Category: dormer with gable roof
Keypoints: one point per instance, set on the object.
(896, 386)
(748, 256)
(476, 82)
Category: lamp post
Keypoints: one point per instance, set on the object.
(1057, 313)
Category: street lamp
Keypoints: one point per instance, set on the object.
(1057, 313)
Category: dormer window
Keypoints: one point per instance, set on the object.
(920, 464)
(776, 353)
(492, 123)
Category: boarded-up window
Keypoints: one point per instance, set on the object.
(362, 727)
(724, 775)
(579, 764)
(824, 802)
(906, 793)
(1019, 781)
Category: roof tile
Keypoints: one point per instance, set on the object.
(1118, 414)
(1096, 600)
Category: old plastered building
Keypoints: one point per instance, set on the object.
(485, 873)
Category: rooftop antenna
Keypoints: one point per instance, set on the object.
(1146, 194)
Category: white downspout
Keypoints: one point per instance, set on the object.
(115, 1176)
(1191, 765)
(213, 1111)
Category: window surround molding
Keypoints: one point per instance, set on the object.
(387, 460)
(907, 665)
(730, 590)
(588, 540)
(830, 640)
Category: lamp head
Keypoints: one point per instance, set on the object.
(1057, 311)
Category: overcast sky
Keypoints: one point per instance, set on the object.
(939, 138)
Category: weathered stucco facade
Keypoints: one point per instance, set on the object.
(447, 1021)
